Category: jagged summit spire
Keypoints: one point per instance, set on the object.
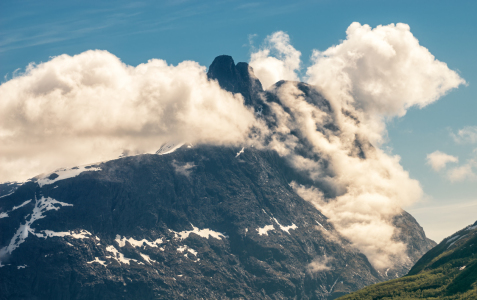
(223, 69)
(236, 78)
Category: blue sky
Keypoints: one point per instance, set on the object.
(34, 31)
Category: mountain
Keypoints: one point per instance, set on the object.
(236, 78)
(8, 188)
(447, 271)
(191, 221)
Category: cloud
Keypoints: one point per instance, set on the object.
(381, 72)
(91, 107)
(373, 75)
(276, 60)
(360, 187)
(464, 172)
(438, 160)
(319, 264)
(467, 134)
(184, 169)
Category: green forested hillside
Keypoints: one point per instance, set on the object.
(448, 271)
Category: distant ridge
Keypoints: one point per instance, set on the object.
(447, 271)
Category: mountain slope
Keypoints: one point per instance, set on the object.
(192, 221)
(263, 236)
(448, 271)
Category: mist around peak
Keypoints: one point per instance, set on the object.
(90, 107)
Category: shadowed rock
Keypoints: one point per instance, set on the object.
(237, 79)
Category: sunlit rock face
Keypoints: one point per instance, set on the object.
(195, 221)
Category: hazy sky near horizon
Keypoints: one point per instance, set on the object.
(175, 31)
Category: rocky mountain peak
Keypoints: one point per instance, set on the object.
(191, 221)
(223, 69)
(236, 79)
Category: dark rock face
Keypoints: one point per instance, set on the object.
(202, 222)
(237, 79)
(268, 234)
(8, 188)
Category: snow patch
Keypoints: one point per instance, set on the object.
(264, 230)
(286, 228)
(48, 234)
(181, 249)
(21, 205)
(169, 148)
(97, 260)
(119, 257)
(147, 258)
(455, 241)
(81, 235)
(63, 174)
(184, 248)
(136, 243)
(331, 289)
(470, 227)
(42, 205)
(452, 238)
(5, 214)
(240, 152)
(205, 233)
(7, 194)
(321, 225)
(21, 267)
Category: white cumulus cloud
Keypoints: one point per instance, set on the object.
(91, 107)
(380, 71)
(464, 172)
(438, 160)
(374, 74)
(276, 60)
(365, 190)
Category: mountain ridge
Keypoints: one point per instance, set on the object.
(197, 221)
(447, 271)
